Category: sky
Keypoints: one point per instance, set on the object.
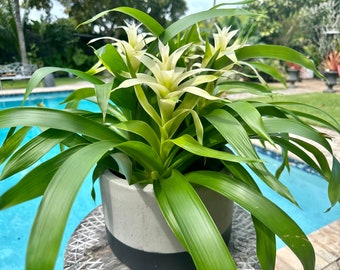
(200, 5)
(193, 7)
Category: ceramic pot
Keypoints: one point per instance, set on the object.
(137, 232)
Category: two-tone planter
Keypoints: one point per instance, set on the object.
(137, 232)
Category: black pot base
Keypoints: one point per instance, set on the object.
(140, 260)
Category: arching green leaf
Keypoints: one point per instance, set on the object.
(263, 209)
(238, 138)
(34, 183)
(50, 221)
(33, 150)
(192, 223)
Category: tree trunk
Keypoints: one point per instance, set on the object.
(20, 32)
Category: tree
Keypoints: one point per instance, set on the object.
(12, 40)
(57, 43)
(164, 11)
(280, 21)
(298, 24)
(39, 4)
(8, 34)
(20, 31)
(325, 31)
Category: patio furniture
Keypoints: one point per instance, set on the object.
(16, 71)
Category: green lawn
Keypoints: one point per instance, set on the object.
(328, 102)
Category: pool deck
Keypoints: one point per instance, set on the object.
(65, 87)
(326, 241)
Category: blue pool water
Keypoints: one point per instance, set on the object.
(309, 190)
(15, 222)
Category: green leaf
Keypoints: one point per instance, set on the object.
(191, 145)
(12, 143)
(279, 125)
(177, 119)
(334, 184)
(265, 238)
(142, 129)
(125, 100)
(270, 70)
(143, 101)
(252, 117)
(57, 119)
(320, 158)
(165, 207)
(234, 133)
(192, 19)
(235, 3)
(190, 36)
(124, 165)
(265, 245)
(187, 215)
(112, 59)
(80, 94)
(276, 52)
(97, 16)
(33, 150)
(34, 183)
(41, 73)
(143, 154)
(235, 86)
(194, 91)
(144, 18)
(103, 95)
(50, 221)
(318, 115)
(198, 126)
(149, 22)
(240, 172)
(263, 209)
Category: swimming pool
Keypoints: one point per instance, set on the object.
(16, 222)
(311, 195)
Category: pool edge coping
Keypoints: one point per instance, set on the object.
(60, 88)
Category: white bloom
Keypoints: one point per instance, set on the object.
(221, 43)
(135, 44)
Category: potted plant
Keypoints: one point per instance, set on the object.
(331, 67)
(293, 71)
(166, 122)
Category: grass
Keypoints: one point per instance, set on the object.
(21, 84)
(327, 102)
